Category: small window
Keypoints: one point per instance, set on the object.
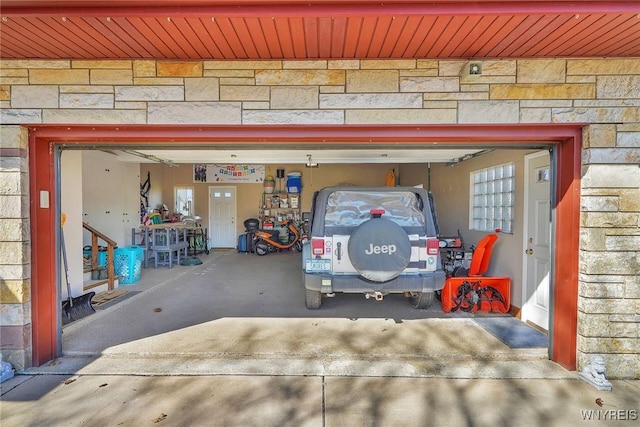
(184, 200)
(492, 198)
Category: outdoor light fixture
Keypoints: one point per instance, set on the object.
(475, 68)
(310, 163)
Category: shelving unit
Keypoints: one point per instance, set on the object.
(277, 207)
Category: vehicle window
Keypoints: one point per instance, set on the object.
(351, 208)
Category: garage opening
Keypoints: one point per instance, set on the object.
(449, 181)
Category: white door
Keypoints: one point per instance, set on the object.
(222, 217)
(537, 239)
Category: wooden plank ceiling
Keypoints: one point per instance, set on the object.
(317, 29)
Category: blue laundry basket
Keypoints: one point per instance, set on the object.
(128, 264)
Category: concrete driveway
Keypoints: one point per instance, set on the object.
(240, 313)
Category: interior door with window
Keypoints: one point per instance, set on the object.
(537, 235)
(222, 217)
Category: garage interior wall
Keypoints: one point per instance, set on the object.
(602, 95)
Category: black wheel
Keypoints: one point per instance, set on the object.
(379, 250)
(261, 248)
(422, 299)
(313, 299)
(298, 246)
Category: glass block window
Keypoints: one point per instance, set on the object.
(492, 198)
(184, 200)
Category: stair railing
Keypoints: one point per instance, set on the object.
(95, 235)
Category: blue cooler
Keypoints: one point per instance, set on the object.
(294, 182)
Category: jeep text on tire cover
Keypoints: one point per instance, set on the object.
(372, 240)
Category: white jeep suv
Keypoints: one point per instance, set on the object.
(372, 240)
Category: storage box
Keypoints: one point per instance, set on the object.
(128, 264)
(294, 182)
(102, 256)
(453, 295)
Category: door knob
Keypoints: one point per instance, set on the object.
(529, 251)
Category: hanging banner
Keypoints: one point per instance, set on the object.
(215, 173)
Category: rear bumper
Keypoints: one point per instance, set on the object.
(326, 283)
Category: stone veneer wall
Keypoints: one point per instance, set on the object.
(602, 92)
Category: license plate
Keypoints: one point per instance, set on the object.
(317, 265)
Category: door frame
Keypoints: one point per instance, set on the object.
(566, 163)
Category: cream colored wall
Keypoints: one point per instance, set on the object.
(450, 188)
(71, 206)
(164, 178)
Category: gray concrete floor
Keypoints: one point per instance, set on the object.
(230, 343)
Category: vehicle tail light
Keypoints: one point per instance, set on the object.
(317, 246)
(433, 246)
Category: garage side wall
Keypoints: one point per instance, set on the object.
(604, 93)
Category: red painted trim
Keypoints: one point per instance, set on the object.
(567, 138)
(44, 295)
(309, 8)
(565, 288)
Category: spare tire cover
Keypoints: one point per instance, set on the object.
(379, 249)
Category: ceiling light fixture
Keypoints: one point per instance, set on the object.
(310, 163)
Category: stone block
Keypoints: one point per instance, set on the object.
(14, 230)
(535, 115)
(15, 291)
(622, 87)
(610, 345)
(20, 116)
(605, 66)
(304, 65)
(5, 92)
(86, 100)
(423, 72)
(15, 314)
(40, 96)
(596, 115)
(630, 200)
(545, 103)
(15, 253)
(599, 204)
(14, 183)
(429, 84)
(401, 116)
(601, 290)
(194, 113)
(610, 176)
(86, 89)
(542, 91)
(179, 68)
(111, 77)
(609, 262)
(622, 243)
(377, 101)
(299, 77)
(599, 135)
(452, 68)
(133, 105)
(592, 239)
(612, 156)
(610, 219)
(13, 206)
(244, 93)
(144, 68)
(256, 105)
(202, 89)
(294, 97)
(332, 89)
(149, 93)
(244, 74)
(19, 359)
(628, 139)
(15, 271)
(13, 72)
(95, 116)
(343, 64)
(475, 88)
(242, 65)
(158, 81)
(488, 112)
(541, 71)
(632, 288)
(363, 81)
(11, 163)
(35, 63)
(428, 63)
(237, 81)
(298, 117)
(618, 366)
(58, 77)
(111, 64)
(14, 136)
(14, 338)
(600, 325)
(453, 96)
(387, 64)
